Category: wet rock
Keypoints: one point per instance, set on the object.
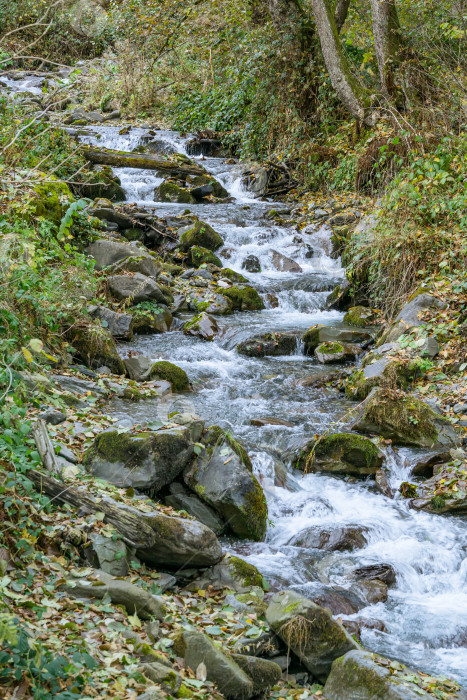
(171, 192)
(233, 276)
(136, 289)
(409, 317)
(202, 191)
(256, 180)
(404, 419)
(169, 372)
(376, 572)
(336, 539)
(251, 264)
(196, 648)
(112, 555)
(194, 506)
(354, 627)
(211, 302)
(269, 344)
(382, 483)
(101, 182)
(342, 454)
(146, 461)
(261, 422)
(163, 675)
(262, 672)
(309, 630)
(330, 352)
(283, 263)
(138, 367)
(363, 675)
(203, 326)
(339, 601)
(222, 477)
(233, 573)
(244, 298)
(199, 255)
(426, 466)
(362, 316)
(446, 492)
(341, 297)
(120, 325)
(323, 334)
(98, 584)
(206, 185)
(370, 591)
(200, 234)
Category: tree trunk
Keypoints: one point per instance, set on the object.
(122, 159)
(352, 96)
(388, 42)
(340, 13)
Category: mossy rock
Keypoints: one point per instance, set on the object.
(199, 255)
(245, 572)
(244, 298)
(177, 376)
(330, 334)
(201, 180)
(96, 347)
(151, 322)
(200, 234)
(51, 198)
(174, 270)
(383, 372)
(404, 419)
(234, 276)
(100, 183)
(342, 454)
(362, 316)
(171, 192)
(263, 673)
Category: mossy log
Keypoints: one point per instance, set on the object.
(122, 159)
(133, 529)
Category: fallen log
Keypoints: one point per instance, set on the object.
(133, 529)
(148, 161)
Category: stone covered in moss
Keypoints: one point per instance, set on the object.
(141, 460)
(234, 276)
(383, 371)
(199, 255)
(269, 344)
(96, 347)
(330, 352)
(163, 675)
(146, 321)
(203, 326)
(309, 631)
(171, 192)
(328, 334)
(100, 182)
(233, 573)
(222, 476)
(368, 676)
(362, 316)
(263, 673)
(404, 419)
(177, 376)
(202, 180)
(200, 234)
(244, 298)
(445, 492)
(341, 453)
(51, 198)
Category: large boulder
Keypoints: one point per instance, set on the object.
(136, 289)
(98, 584)
(244, 298)
(309, 631)
(200, 182)
(107, 253)
(381, 371)
(200, 300)
(169, 372)
(283, 263)
(200, 234)
(222, 477)
(203, 326)
(345, 454)
(96, 347)
(263, 673)
(409, 317)
(328, 334)
(196, 648)
(404, 419)
(146, 461)
(361, 675)
(269, 344)
(101, 182)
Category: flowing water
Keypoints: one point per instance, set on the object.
(426, 611)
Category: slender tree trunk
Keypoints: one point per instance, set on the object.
(340, 13)
(352, 96)
(388, 42)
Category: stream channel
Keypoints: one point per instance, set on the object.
(425, 615)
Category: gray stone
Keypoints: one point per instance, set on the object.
(320, 214)
(328, 334)
(339, 538)
(269, 344)
(98, 584)
(138, 367)
(233, 573)
(120, 325)
(409, 316)
(111, 554)
(107, 253)
(53, 417)
(222, 477)
(251, 264)
(203, 326)
(309, 630)
(196, 648)
(342, 219)
(262, 672)
(361, 675)
(147, 460)
(67, 454)
(163, 675)
(283, 263)
(78, 386)
(195, 507)
(216, 303)
(137, 288)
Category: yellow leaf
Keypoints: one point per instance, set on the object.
(27, 354)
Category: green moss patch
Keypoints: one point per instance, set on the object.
(177, 376)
